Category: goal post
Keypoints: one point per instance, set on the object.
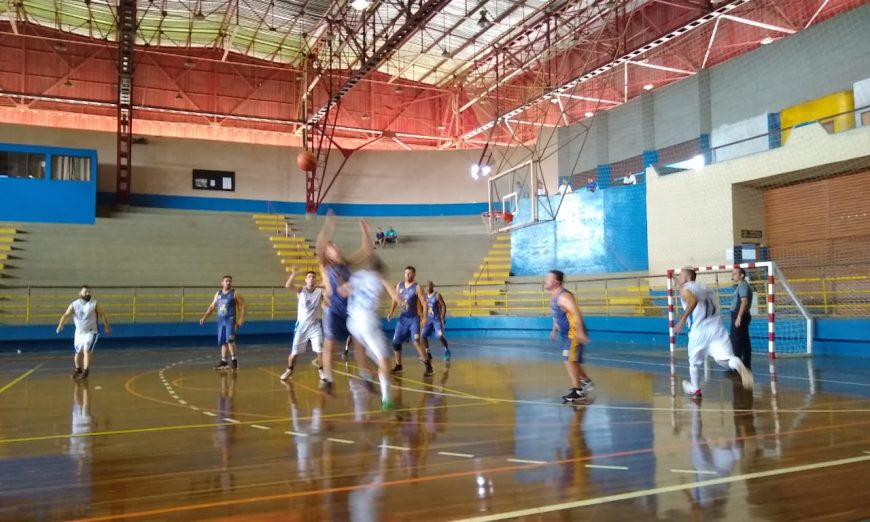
(789, 330)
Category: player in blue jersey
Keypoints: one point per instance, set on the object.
(335, 271)
(437, 318)
(414, 306)
(230, 308)
(568, 324)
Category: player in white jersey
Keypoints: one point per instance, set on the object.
(365, 288)
(85, 313)
(308, 313)
(707, 335)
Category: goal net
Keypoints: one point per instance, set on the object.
(780, 325)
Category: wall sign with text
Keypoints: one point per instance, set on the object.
(214, 180)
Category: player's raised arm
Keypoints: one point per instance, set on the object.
(324, 237)
(289, 283)
(364, 252)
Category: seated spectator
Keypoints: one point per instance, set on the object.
(380, 238)
(591, 185)
(391, 236)
(565, 187)
(629, 180)
(542, 191)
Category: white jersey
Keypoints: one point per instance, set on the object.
(366, 288)
(85, 315)
(707, 306)
(308, 307)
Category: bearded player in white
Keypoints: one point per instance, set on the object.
(707, 335)
(85, 313)
(308, 313)
(365, 288)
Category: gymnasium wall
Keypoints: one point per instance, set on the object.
(694, 216)
(372, 183)
(825, 58)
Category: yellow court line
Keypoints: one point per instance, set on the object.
(20, 378)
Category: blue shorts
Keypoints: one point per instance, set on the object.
(572, 350)
(434, 325)
(226, 331)
(407, 329)
(334, 326)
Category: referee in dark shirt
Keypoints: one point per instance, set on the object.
(740, 317)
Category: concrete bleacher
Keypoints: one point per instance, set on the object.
(144, 247)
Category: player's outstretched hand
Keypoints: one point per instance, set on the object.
(202, 321)
(390, 316)
(108, 330)
(59, 328)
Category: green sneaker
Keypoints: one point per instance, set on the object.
(387, 405)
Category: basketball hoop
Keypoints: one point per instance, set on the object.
(496, 220)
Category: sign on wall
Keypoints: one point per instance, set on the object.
(214, 180)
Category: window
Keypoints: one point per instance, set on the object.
(22, 165)
(70, 168)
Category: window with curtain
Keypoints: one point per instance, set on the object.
(70, 168)
(22, 165)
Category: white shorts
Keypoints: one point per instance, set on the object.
(85, 341)
(709, 338)
(310, 332)
(367, 331)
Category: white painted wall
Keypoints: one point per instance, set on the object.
(694, 216)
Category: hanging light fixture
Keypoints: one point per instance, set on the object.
(360, 5)
(483, 22)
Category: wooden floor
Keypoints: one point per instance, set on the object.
(157, 435)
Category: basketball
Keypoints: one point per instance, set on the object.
(306, 161)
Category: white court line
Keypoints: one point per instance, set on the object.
(602, 466)
(399, 448)
(694, 471)
(665, 489)
(296, 433)
(194, 408)
(341, 441)
(234, 421)
(182, 401)
(210, 414)
(523, 461)
(451, 454)
(260, 427)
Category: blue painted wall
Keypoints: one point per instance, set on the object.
(47, 200)
(594, 232)
(296, 207)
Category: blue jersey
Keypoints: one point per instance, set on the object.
(409, 300)
(226, 304)
(564, 322)
(337, 275)
(434, 309)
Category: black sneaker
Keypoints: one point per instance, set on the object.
(221, 365)
(397, 370)
(235, 364)
(428, 356)
(326, 387)
(77, 373)
(574, 395)
(84, 375)
(429, 370)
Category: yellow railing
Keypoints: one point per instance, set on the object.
(631, 296)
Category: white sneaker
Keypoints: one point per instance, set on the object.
(746, 377)
(586, 385)
(320, 374)
(286, 375)
(690, 391)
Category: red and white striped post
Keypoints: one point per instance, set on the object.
(771, 299)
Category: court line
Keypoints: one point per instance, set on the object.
(664, 489)
(523, 461)
(296, 433)
(341, 441)
(398, 448)
(450, 392)
(234, 421)
(20, 378)
(602, 466)
(461, 455)
(260, 427)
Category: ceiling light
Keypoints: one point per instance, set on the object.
(589, 114)
(189, 63)
(445, 53)
(475, 169)
(766, 40)
(483, 22)
(442, 127)
(364, 116)
(178, 96)
(198, 15)
(648, 87)
(554, 100)
(399, 89)
(485, 170)
(60, 46)
(68, 83)
(360, 5)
